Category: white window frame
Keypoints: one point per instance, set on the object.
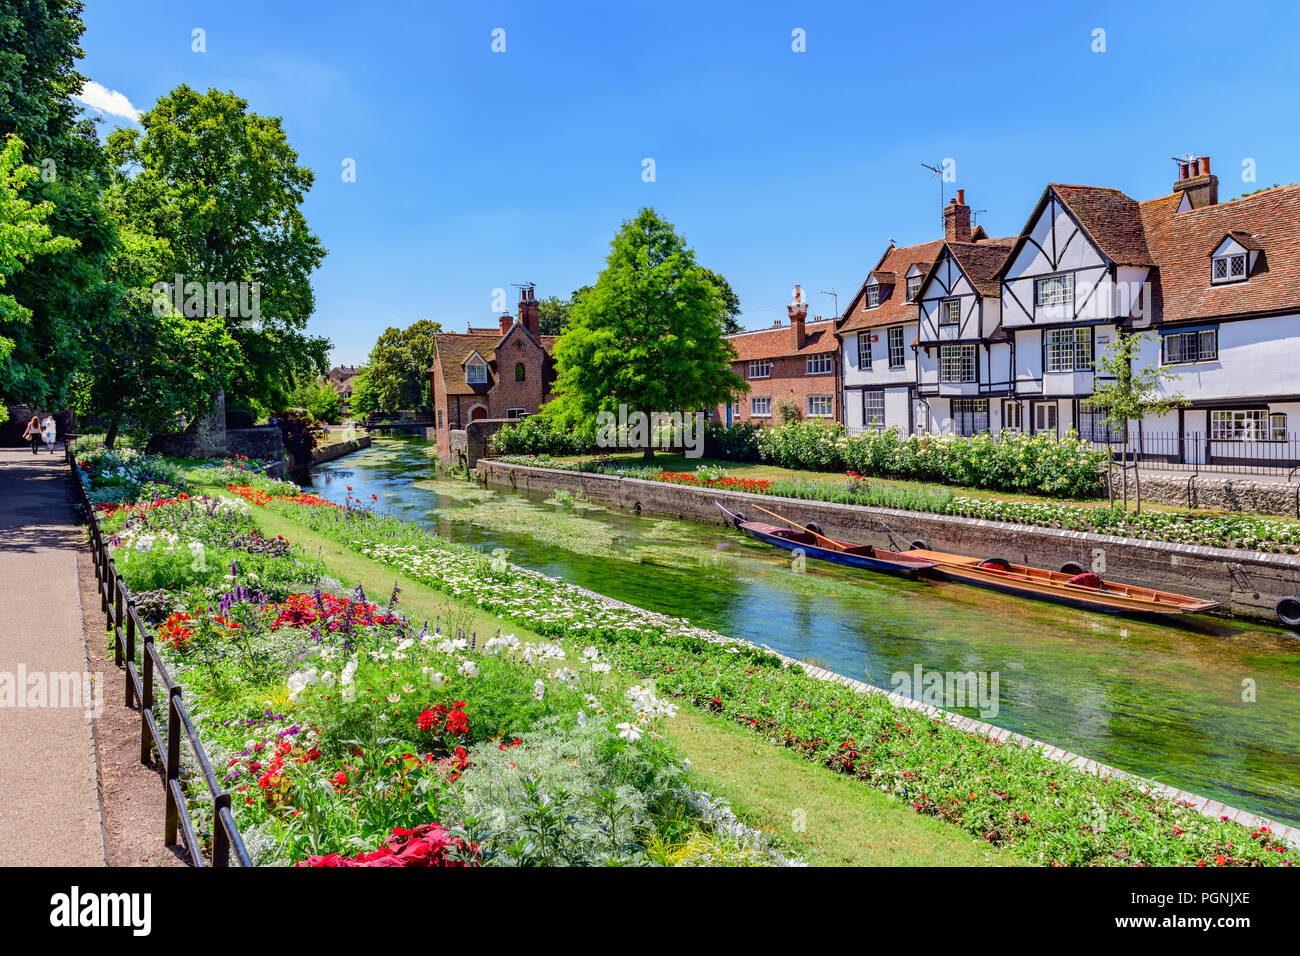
(1188, 348)
(966, 361)
(480, 368)
(760, 368)
(946, 312)
(760, 406)
(1068, 350)
(896, 333)
(1054, 415)
(821, 406)
(873, 401)
(1234, 265)
(864, 351)
(1247, 424)
(1013, 417)
(1056, 290)
(873, 297)
(820, 364)
(913, 287)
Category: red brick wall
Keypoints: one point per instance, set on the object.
(789, 382)
(507, 392)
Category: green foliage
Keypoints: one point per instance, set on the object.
(25, 235)
(319, 401)
(63, 293)
(651, 312)
(539, 435)
(1130, 394)
(730, 301)
(553, 312)
(397, 375)
(737, 442)
(223, 188)
(365, 396)
(300, 432)
(1042, 464)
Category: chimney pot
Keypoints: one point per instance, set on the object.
(956, 219)
(1205, 165)
(506, 322)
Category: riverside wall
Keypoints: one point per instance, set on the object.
(1246, 583)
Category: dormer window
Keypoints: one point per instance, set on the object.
(913, 287)
(476, 373)
(1228, 268)
(873, 296)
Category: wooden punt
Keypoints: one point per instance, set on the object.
(835, 552)
(1079, 590)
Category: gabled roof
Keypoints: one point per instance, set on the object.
(455, 349)
(1112, 219)
(778, 341)
(1179, 242)
(894, 309)
(981, 261)
(1242, 238)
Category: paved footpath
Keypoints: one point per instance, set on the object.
(49, 806)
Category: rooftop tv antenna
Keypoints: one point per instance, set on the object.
(835, 297)
(974, 216)
(936, 172)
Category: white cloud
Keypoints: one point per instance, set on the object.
(106, 101)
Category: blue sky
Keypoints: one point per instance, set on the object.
(476, 170)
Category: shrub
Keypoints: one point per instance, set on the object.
(540, 436)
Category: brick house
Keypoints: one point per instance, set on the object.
(795, 364)
(342, 378)
(501, 372)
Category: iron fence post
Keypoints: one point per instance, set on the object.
(220, 839)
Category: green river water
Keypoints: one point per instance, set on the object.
(1161, 700)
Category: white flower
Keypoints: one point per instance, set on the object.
(590, 654)
(566, 675)
(539, 688)
(436, 678)
(600, 668)
(629, 732)
(468, 669)
(582, 719)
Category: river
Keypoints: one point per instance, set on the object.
(1210, 706)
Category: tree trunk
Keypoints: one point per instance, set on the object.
(649, 453)
(111, 436)
(1137, 483)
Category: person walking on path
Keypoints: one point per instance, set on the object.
(33, 432)
(49, 432)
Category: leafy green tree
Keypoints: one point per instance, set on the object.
(730, 301)
(648, 335)
(398, 370)
(150, 370)
(365, 397)
(319, 400)
(25, 235)
(223, 187)
(64, 293)
(1128, 394)
(553, 312)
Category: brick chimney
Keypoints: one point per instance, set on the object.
(528, 309)
(798, 311)
(1196, 180)
(956, 219)
(507, 320)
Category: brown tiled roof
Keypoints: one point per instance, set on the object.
(454, 349)
(778, 341)
(1182, 241)
(893, 309)
(981, 262)
(1112, 219)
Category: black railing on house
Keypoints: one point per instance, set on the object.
(147, 683)
(1197, 452)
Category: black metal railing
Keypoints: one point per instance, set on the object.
(1275, 457)
(146, 684)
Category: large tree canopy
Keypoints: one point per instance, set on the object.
(396, 377)
(62, 294)
(649, 333)
(223, 188)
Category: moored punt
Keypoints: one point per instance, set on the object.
(1078, 590)
(827, 549)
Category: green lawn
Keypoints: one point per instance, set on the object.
(847, 823)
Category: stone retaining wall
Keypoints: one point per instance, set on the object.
(1245, 583)
(1222, 493)
(339, 449)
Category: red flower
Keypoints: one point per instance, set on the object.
(1220, 860)
(426, 722)
(340, 780)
